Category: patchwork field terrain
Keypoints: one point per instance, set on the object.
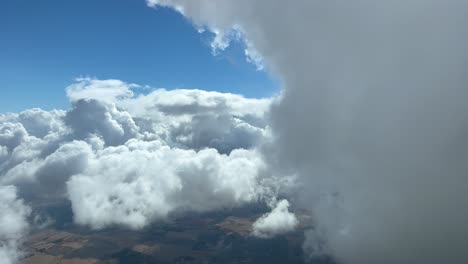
(211, 238)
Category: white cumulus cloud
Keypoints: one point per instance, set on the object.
(139, 182)
(125, 159)
(13, 224)
(277, 222)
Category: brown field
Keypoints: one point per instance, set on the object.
(213, 239)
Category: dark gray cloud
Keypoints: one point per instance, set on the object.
(92, 117)
(222, 132)
(191, 119)
(12, 134)
(371, 120)
(37, 122)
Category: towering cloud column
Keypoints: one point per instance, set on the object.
(372, 118)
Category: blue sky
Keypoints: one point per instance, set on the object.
(45, 45)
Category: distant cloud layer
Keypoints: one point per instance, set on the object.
(191, 119)
(126, 159)
(372, 118)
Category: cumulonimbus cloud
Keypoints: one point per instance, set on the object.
(372, 118)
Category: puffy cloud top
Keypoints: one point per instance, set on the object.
(128, 160)
(103, 90)
(278, 221)
(141, 181)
